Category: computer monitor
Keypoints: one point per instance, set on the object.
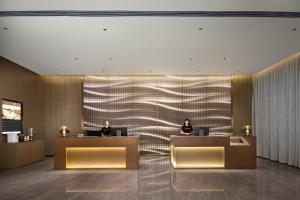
(93, 133)
(203, 131)
(119, 131)
(200, 131)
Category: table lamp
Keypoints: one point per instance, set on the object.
(64, 130)
(247, 130)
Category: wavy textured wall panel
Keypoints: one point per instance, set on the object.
(155, 107)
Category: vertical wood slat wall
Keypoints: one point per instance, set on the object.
(155, 107)
(242, 89)
(63, 106)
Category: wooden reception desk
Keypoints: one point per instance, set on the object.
(96, 152)
(213, 152)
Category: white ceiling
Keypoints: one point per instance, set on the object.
(135, 45)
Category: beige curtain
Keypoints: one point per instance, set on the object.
(276, 111)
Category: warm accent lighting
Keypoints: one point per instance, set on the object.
(197, 157)
(95, 157)
(247, 130)
(64, 130)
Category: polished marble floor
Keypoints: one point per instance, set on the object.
(155, 180)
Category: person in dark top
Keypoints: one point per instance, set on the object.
(106, 130)
(186, 128)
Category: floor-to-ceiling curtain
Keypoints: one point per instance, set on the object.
(276, 111)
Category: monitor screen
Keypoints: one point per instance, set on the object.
(93, 133)
(119, 131)
(11, 116)
(203, 131)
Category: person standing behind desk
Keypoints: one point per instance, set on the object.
(106, 130)
(186, 128)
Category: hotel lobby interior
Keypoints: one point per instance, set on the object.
(150, 100)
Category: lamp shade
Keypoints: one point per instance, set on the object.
(64, 130)
(247, 129)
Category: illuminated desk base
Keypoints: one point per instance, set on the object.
(198, 157)
(234, 152)
(96, 152)
(95, 157)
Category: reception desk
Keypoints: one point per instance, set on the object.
(213, 152)
(96, 152)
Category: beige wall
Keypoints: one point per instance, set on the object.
(20, 84)
(63, 106)
(242, 88)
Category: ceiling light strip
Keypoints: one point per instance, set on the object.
(126, 13)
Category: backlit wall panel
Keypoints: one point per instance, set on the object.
(155, 107)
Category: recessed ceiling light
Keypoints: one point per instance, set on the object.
(294, 28)
(5, 28)
(104, 29)
(200, 28)
(224, 58)
(191, 58)
(76, 58)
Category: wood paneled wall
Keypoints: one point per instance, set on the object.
(18, 83)
(242, 89)
(63, 106)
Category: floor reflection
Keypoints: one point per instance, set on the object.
(154, 177)
(155, 180)
(158, 180)
(105, 181)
